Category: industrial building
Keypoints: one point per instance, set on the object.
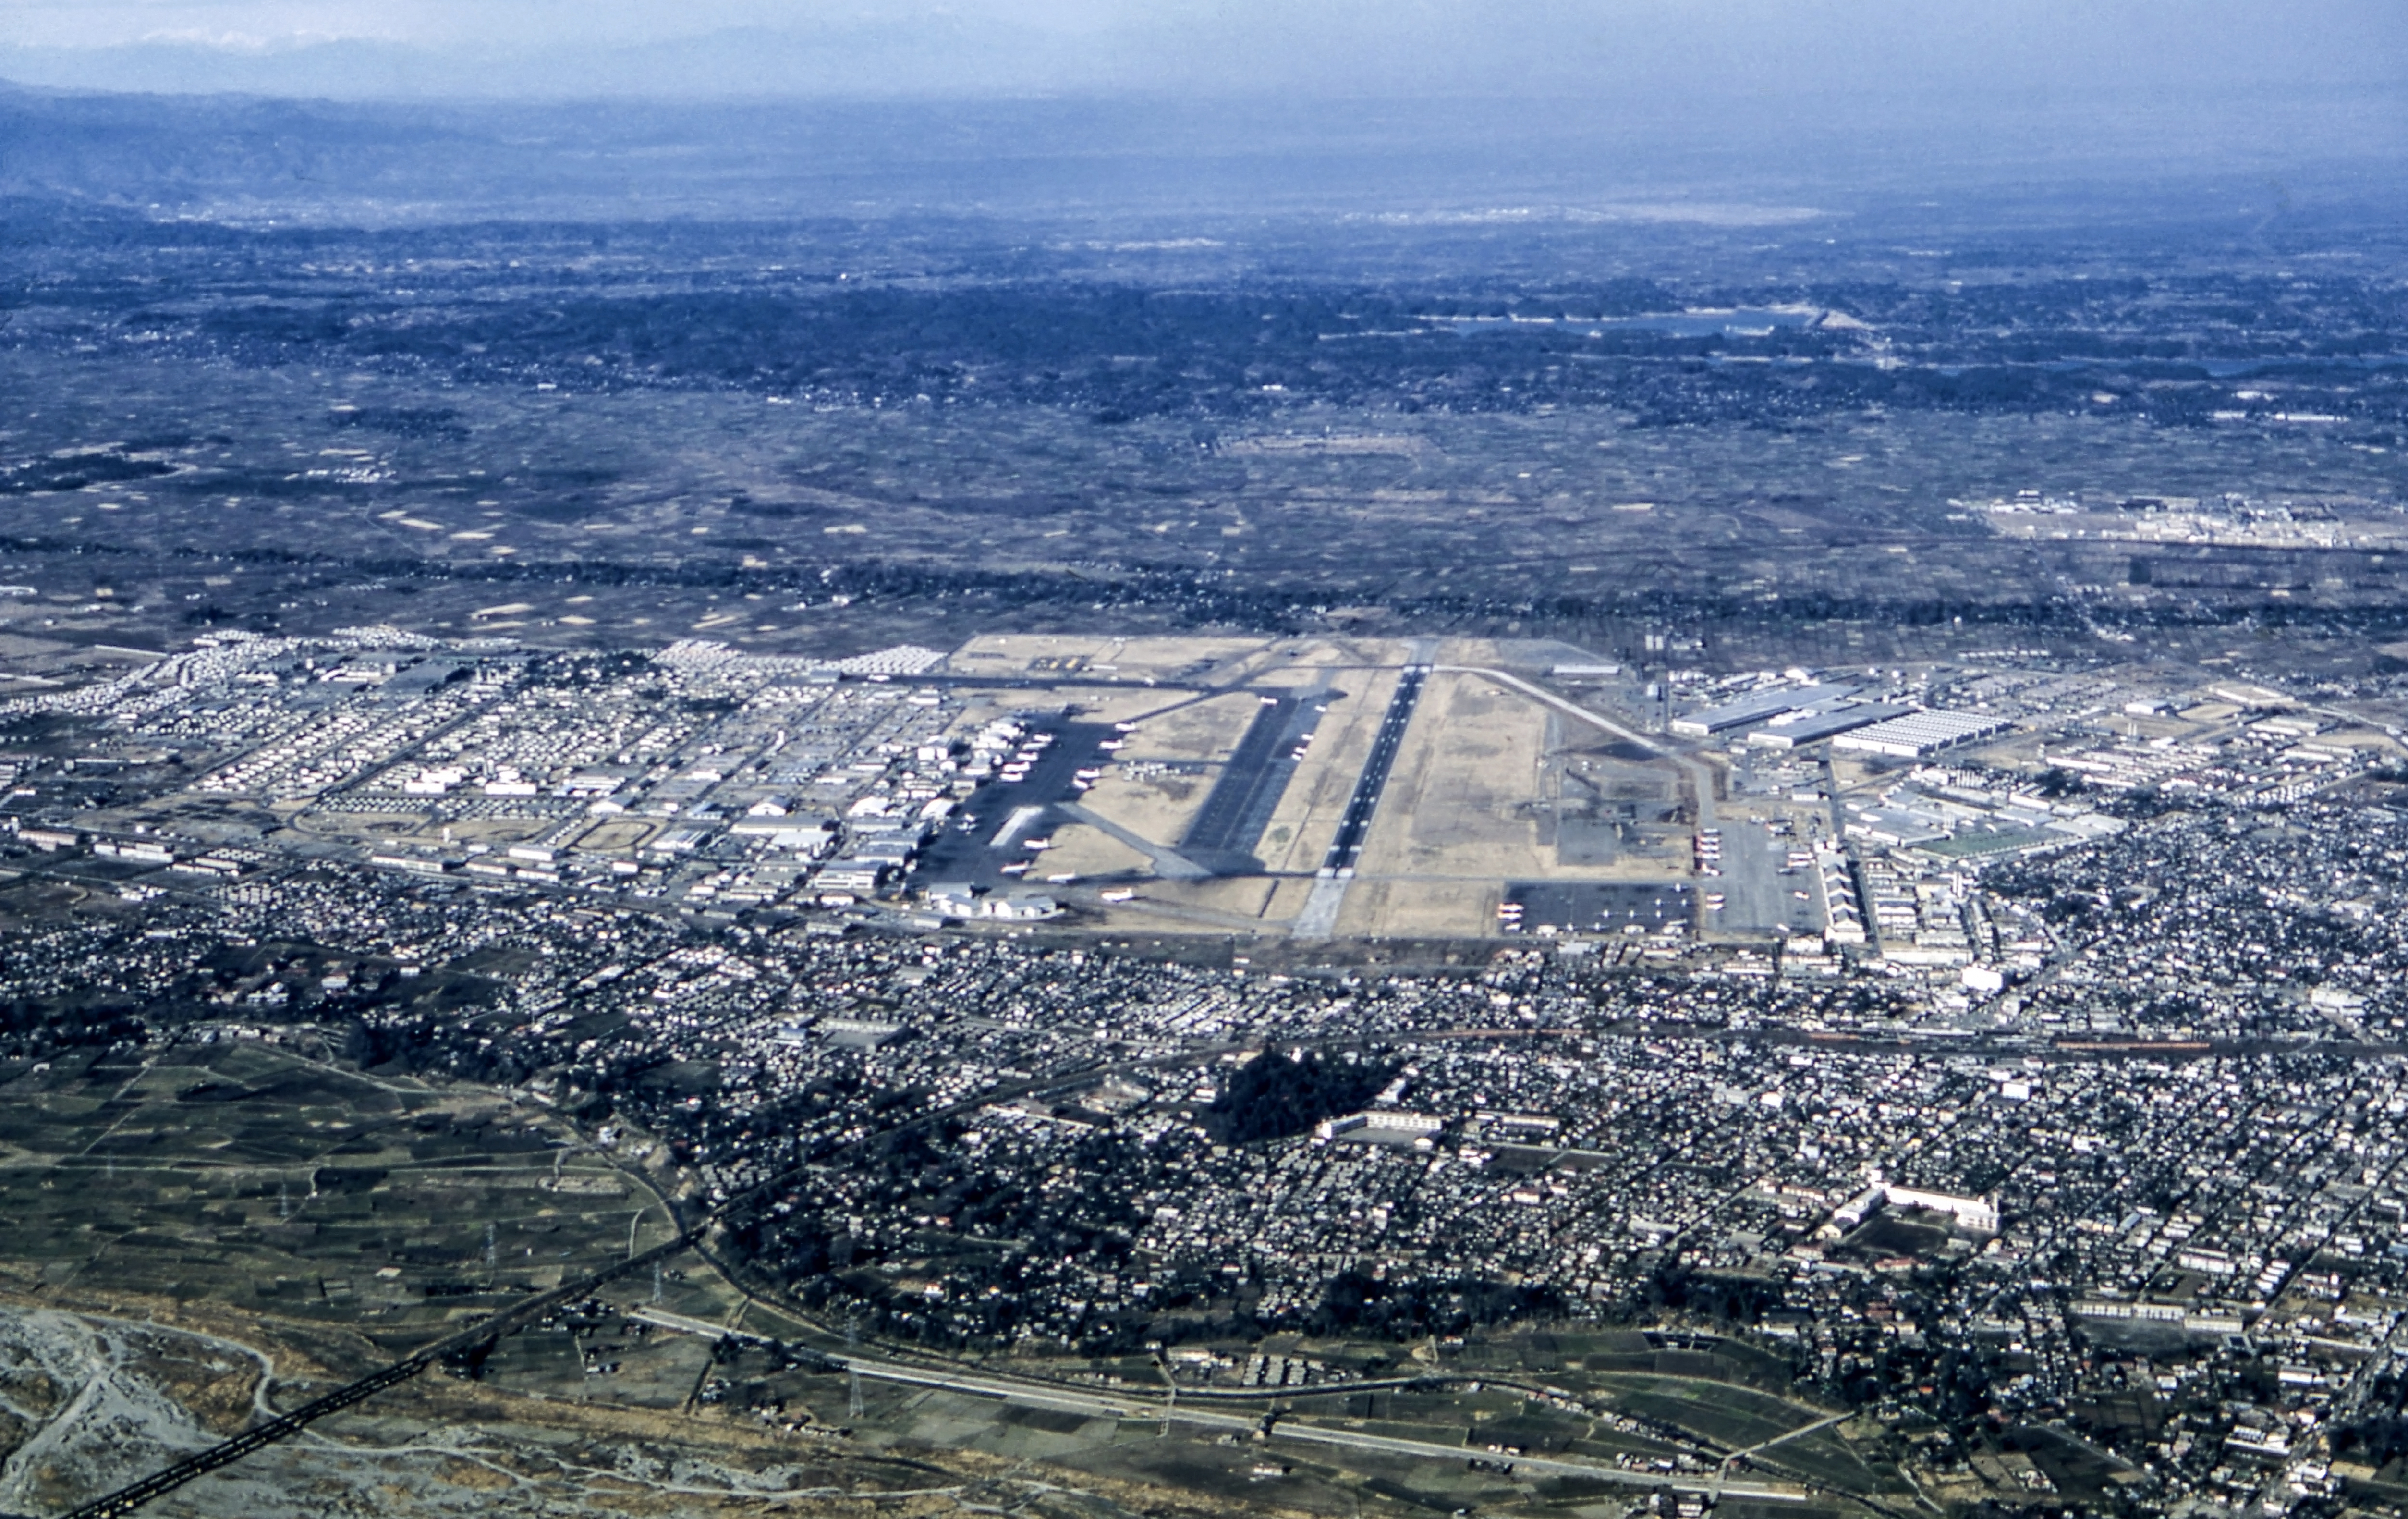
(1813, 727)
(1762, 707)
(1919, 734)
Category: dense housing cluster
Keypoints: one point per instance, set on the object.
(2071, 1095)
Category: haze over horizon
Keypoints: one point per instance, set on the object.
(1837, 54)
(753, 107)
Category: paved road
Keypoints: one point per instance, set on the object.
(1570, 708)
(125, 1501)
(1786, 1437)
(1130, 1405)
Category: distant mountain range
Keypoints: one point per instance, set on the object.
(922, 56)
(273, 153)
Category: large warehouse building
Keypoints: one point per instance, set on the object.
(1918, 734)
(1763, 706)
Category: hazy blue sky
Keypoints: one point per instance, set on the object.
(1668, 50)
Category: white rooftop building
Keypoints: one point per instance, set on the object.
(1918, 734)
